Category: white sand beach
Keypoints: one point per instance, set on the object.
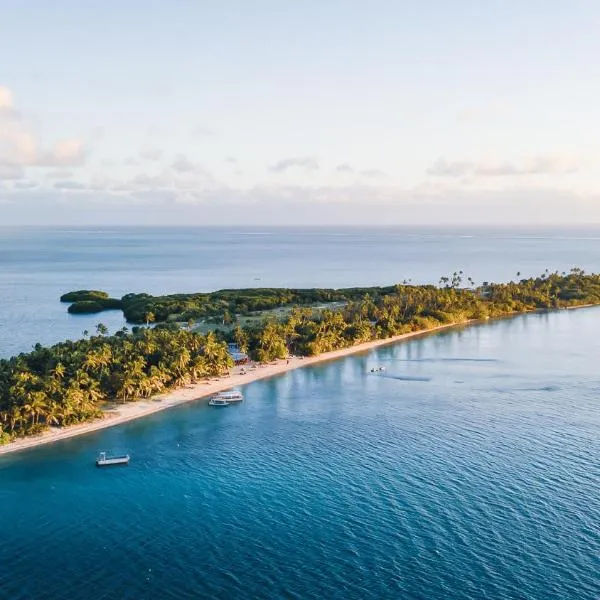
(238, 376)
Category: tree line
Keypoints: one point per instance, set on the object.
(214, 305)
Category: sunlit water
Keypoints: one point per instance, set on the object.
(467, 469)
(37, 265)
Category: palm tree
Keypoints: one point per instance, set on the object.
(217, 357)
(101, 329)
(59, 371)
(271, 344)
(240, 337)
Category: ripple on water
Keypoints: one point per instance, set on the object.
(331, 483)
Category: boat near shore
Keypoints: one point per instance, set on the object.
(218, 402)
(106, 461)
(226, 398)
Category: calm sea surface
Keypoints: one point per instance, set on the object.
(468, 469)
(38, 265)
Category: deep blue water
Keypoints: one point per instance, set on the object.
(468, 469)
(37, 265)
(478, 479)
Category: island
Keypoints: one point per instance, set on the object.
(183, 349)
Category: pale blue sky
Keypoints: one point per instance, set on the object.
(285, 112)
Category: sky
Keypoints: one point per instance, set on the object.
(268, 112)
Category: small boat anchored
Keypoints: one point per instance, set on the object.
(218, 402)
(377, 369)
(226, 398)
(106, 461)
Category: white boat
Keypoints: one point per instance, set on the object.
(106, 461)
(230, 396)
(215, 401)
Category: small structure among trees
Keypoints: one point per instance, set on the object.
(238, 357)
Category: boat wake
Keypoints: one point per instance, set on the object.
(475, 360)
(545, 388)
(402, 377)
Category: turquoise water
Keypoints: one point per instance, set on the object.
(37, 265)
(468, 469)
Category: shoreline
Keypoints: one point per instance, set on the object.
(129, 411)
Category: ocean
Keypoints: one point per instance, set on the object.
(467, 469)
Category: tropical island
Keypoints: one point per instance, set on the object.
(73, 382)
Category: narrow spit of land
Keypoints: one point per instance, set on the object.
(52, 391)
(121, 413)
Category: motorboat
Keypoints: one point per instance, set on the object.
(216, 401)
(230, 396)
(106, 461)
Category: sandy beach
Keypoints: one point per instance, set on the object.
(238, 376)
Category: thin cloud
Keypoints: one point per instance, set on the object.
(19, 145)
(155, 196)
(26, 185)
(483, 113)
(63, 175)
(7, 110)
(6, 99)
(347, 169)
(70, 185)
(442, 168)
(282, 204)
(99, 183)
(68, 153)
(183, 164)
(307, 163)
(151, 154)
(200, 131)
(10, 171)
(537, 165)
(373, 173)
(143, 180)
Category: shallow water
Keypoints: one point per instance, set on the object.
(334, 482)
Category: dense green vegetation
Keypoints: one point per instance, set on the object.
(69, 382)
(94, 306)
(90, 301)
(221, 305)
(83, 295)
